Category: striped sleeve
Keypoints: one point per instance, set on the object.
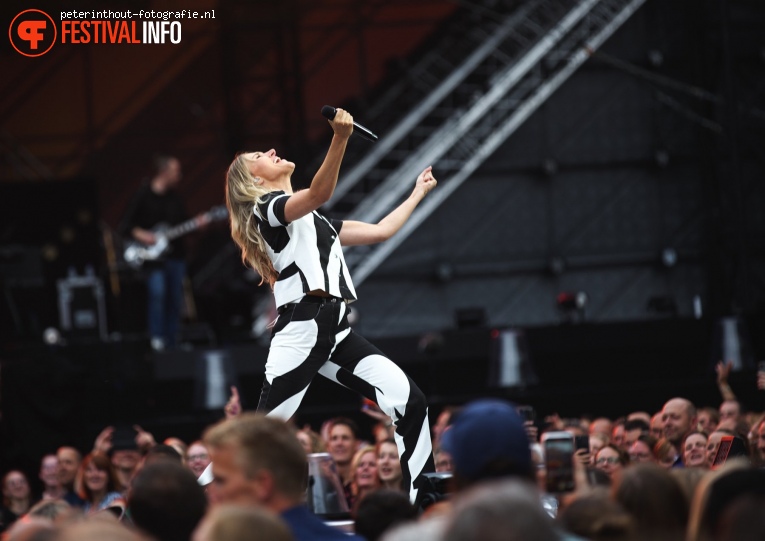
(270, 208)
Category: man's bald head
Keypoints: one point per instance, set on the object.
(679, 416)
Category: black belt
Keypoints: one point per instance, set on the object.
(313, 299)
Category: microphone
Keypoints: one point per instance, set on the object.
(329, 112)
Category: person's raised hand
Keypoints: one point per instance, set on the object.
(144, 440)
(103, 443)
(723, 371)
(233, 407)
(374, 411)
(532, 432)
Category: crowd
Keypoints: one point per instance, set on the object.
(643, 476)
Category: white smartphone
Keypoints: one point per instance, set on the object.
(559, 461)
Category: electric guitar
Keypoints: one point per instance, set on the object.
(136, 253)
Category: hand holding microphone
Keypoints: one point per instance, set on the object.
(329, 113)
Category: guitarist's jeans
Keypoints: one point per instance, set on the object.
(164, 285)
(313, 337)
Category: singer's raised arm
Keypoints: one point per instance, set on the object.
(324, 181)
(355, 233)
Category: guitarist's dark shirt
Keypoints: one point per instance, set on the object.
(149, 210)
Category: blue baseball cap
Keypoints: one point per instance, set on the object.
(484, 431)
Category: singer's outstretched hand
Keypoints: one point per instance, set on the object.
(356, 233)
(342, 124)
(426, 181)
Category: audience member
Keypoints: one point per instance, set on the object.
(601, 425)
(487, 440)
(160, 453)
(53, 510)
(342, 445)
(197, 458)
(656, 501)
(597, 442)
(679, 416)
(381, 510)
(717, 492)
(241, 523)
(442, 421)
(759, 446)
(17, 498)
(310, 440)
(666, 453)
(730, 413)
(642, 450)
(69, 460)
(743, 519)
(597, 517)
(633, 429)
(166, 501)
(612, 460)
(643, 416)
(365, 478)
(389, 465)
(258, 460)
(179, 445)
(656, 427)
(689, 479)
(617, 434)
(694, 448)
(713, 443)
(507, 510)
(708, 419)
(97, 484)
(51, 480)
(443, 461)
(31, 529)
(98, 530)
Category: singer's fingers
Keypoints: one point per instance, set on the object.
(343, 123)
(234, 392)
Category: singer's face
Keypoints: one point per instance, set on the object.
(269, 166)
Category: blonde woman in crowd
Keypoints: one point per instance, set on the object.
(365, 474)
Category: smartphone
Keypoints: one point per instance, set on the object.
(582, 442)
(527, 413)
(123, 438)
(730, 447)
(559, 461)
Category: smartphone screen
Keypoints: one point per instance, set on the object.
(559, 452)
(722, 451)
(527, 413)
(582, 442)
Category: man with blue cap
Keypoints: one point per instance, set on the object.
(487, 440)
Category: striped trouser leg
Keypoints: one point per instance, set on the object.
(304, 338)
(358, 365)
(301, 342)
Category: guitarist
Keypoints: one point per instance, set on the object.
(158, 203)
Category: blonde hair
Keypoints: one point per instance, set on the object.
(242, 194)
(263, 443)
(359, 455)
(237, 523)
